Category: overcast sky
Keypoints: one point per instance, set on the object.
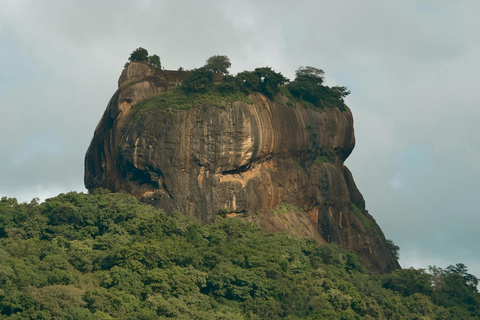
(412, 67)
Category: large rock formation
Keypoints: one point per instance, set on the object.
(275, 162)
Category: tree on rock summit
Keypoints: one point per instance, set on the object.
(139, 54)
(155, 61)
(218, 64)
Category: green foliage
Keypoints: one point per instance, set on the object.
(139, 54)
(285, 207)
(308, 86)
(269, 81)
(263, 80)
(218, 64)
(314, 75)
(155, 61)
(198, 80)
(247, 81)
(469, 279)
(321, 159)
(393, 248)
(282, 209)
(179, 99)
(106, 256)
(366, 223)
(454, 287)
(326, 155)
(409, 281)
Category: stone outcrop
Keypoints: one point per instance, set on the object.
(275, 162)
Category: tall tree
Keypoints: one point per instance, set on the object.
(218, 64)
(460, 269)
(307, 82)
(308, 86)
(311, 74)
(270, 80)
(155, 61)
(139, 54)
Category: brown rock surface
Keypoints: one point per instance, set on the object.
(249, 158)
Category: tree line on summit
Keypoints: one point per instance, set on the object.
(308, 85)
(141, 54)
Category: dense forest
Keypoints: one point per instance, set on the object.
(106, 256)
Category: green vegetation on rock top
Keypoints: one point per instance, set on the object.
(106, 256)
(141, 54)
(307, 88)
(178, 99)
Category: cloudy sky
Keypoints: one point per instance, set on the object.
(412, 67)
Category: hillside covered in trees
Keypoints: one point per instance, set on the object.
(107, 256)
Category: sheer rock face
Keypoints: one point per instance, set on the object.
(249, 158)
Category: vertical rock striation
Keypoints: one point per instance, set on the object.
(249, 159)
